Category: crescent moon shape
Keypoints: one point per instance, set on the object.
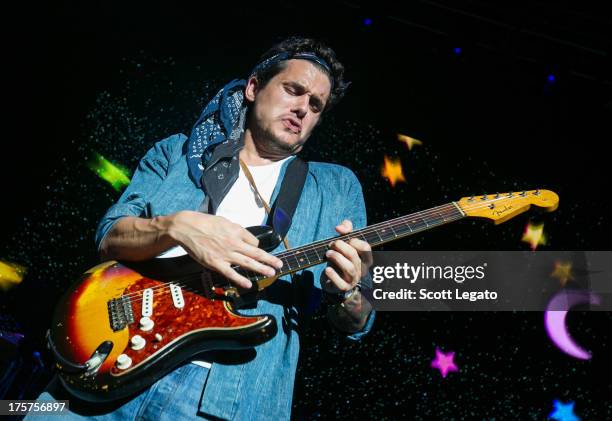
(554, 320)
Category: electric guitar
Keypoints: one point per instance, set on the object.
(124, 325)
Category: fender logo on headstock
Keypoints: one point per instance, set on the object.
(504, 210)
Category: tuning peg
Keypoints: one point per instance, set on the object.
(471, 199)
(523, 193)
(537, 192)
(510, 194)
(484, 197)
(497, 195)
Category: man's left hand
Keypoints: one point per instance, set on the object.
(347, 261)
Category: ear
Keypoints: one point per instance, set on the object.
(251, 89)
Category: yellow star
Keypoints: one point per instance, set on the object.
(563, 272)
(534, 235)
(409, 141)
(11, 274)
(392, 171)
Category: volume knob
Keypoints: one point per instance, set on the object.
(137, 342)
(123, 362)
(146, 323)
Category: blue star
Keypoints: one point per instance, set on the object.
(563, 411)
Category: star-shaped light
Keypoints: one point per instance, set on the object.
(563, 411)
(563, 272)
(444, 362)
(409, 141)
(11, 274)
(392, 171)
(115, 175)
(534, 235)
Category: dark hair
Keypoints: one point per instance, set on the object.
(296, 44)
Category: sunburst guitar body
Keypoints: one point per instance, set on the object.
(125, 325)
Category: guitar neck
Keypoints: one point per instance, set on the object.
(313, 254)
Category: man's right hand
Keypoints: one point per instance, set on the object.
(217, 244)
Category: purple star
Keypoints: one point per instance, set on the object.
(444, 362)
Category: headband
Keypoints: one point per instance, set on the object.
(288, 56)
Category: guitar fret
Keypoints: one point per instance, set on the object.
(389, 228)
(286, 263)
(382, 234)
(369, 237)
(401, 229)
(299, 259)
(318, 259)
(309, 257)
(377, 233)
(415, 224)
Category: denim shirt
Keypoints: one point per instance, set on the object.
(260, 386)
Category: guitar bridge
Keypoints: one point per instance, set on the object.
(120, 312)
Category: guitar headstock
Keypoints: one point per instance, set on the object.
(500, 207)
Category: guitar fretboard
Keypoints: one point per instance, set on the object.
(313, 254)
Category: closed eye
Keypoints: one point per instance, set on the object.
(294, 88)
(315, 105)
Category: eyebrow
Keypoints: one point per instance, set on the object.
(314, 98)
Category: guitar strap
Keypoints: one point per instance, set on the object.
(284, 209)
(288, 196)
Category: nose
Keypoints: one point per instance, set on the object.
(300, 107)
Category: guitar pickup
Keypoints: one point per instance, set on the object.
(147, 302)
(177, 296)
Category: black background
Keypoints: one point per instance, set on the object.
(489, 118)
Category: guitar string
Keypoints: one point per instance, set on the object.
(285, 253)
(162, 288)
(363, 232)
(376, 227)
(357, 234)
(428, 212)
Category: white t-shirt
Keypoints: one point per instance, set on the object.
(242, 206)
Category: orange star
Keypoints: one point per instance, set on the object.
(563, 272)
(409, 141)
(534, 235)
(392, 171)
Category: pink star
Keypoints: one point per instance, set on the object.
(444, 362)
